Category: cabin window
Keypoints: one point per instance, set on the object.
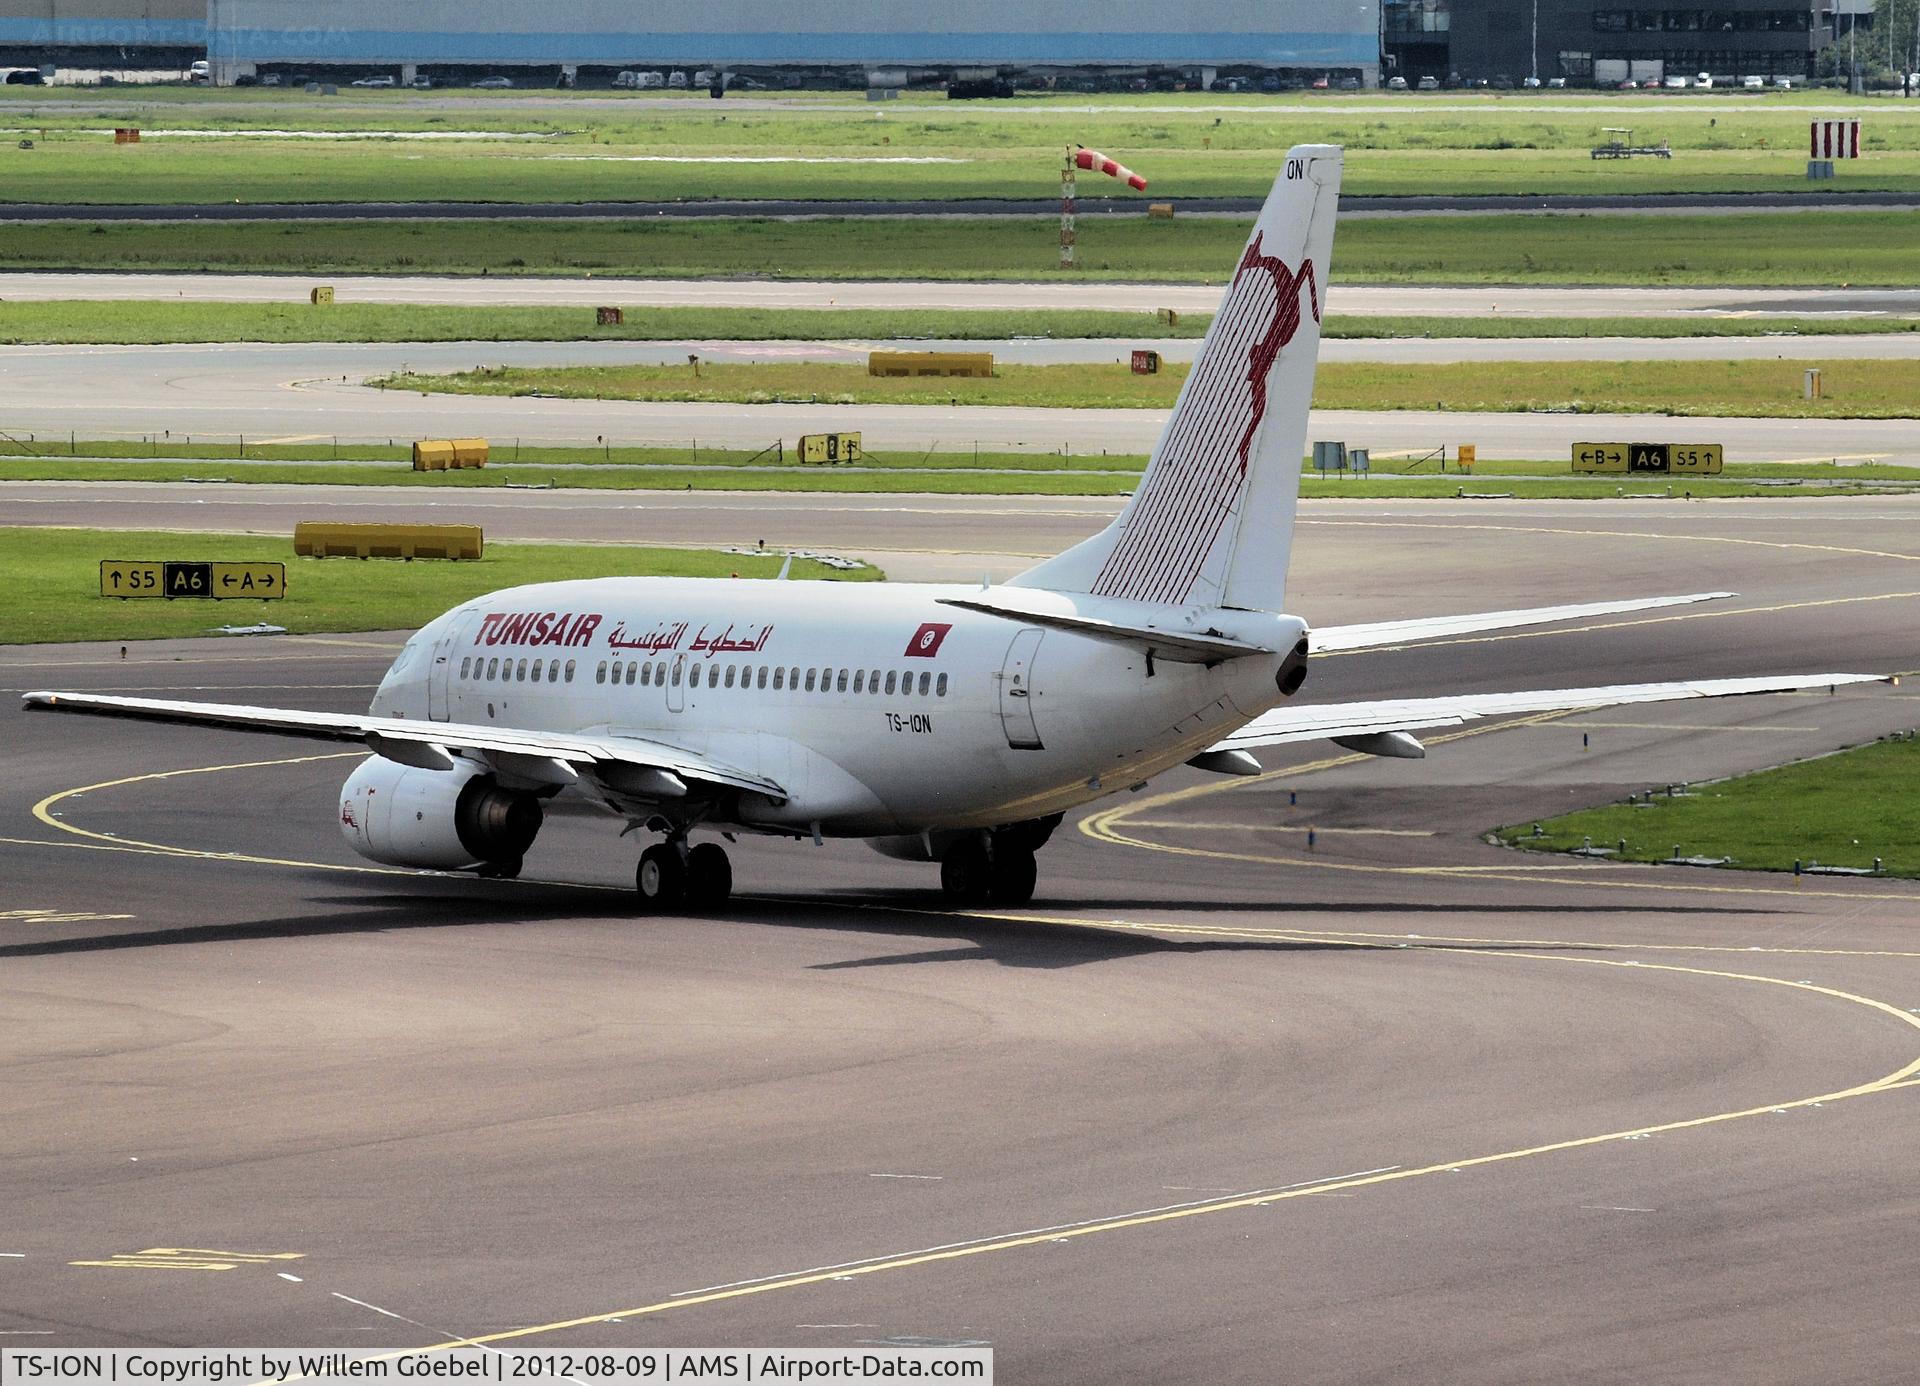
(779, 679)
(840, 683)
(761, 682)
(694, 675)
(521, 676)
(553, 672)
(676, 675)
(730, 672)
(600, 673)
(614, 675)
(569, 671)
(463, 666)
(873, 681)
(940, 687)
(859, 680)
(926, 683)
(536, 671)
(660, 673)
(811, 675)
(889, 681)
(646, 675)
(633, 672)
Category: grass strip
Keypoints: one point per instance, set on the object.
(1540, 484)
(1839, 810)
(1778, 248)
(55, 576)
(1854, 389)
(138, 322)
(153, 322)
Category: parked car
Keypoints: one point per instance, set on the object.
(1427, 84)
(1704, 81)
(1753, 83)
(1783, 83)
(1678, 83)
(1321, 83)
(494, 83)
(1557, 83)
(421, 84)
(1396, 84)
(677, 80)
(1530, 83)
(1348, 84)
(372, 82)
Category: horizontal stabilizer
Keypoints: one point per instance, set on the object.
(553, 757)
(1379, 634)
(1349, 721)
(1177, 646)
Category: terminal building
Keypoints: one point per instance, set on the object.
(1600, 42)
(591, 41)
(126, 34)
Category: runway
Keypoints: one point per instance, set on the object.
(1216, 1107)
(588, 291)
(311, 391)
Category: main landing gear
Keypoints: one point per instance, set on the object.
(672, 874)
(992, 868)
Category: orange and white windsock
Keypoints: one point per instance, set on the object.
(1113, 168)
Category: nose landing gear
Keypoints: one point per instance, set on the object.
(671, 874)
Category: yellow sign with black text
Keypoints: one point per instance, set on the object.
(829, 447)
(257, 582)
(1664, 459)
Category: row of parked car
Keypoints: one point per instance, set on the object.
(1702, 82)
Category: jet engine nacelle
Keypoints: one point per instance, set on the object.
(445, 820)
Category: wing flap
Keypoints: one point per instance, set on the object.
(522, 751)
(1290, 724)
(1379, 634)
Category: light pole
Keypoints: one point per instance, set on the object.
(1536, 40)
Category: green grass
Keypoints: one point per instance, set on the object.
(55, 576)
(153, 321)
(1205, 145)
(951, 474)
(1783, 248)
(1770, 389)
(138, 322)
(1839, 810)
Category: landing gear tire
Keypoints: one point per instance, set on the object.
(966, 875)
(709, 876)
(661, 878)
(500, 870)
(1014, 874)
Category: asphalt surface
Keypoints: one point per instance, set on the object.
(1718, 203)
(1217, 1107)
(1406, 300)
(312, 392)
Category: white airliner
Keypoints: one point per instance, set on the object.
(949, 724)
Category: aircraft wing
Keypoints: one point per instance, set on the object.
(553, 757)
(1359, 720)
(1374, 635)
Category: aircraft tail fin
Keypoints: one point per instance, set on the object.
(1211, 523)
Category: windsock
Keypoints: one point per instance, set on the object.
(1093, 158)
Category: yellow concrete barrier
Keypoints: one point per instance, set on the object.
(438, 454)
(320, 295)
(315, 539)
(432, 455)
(974, 363)
(1160, 209)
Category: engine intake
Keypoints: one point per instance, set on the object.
(444, 820)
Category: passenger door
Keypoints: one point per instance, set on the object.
(1016, 691)
(445, 650)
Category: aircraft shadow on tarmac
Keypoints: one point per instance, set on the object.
(899, 914)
